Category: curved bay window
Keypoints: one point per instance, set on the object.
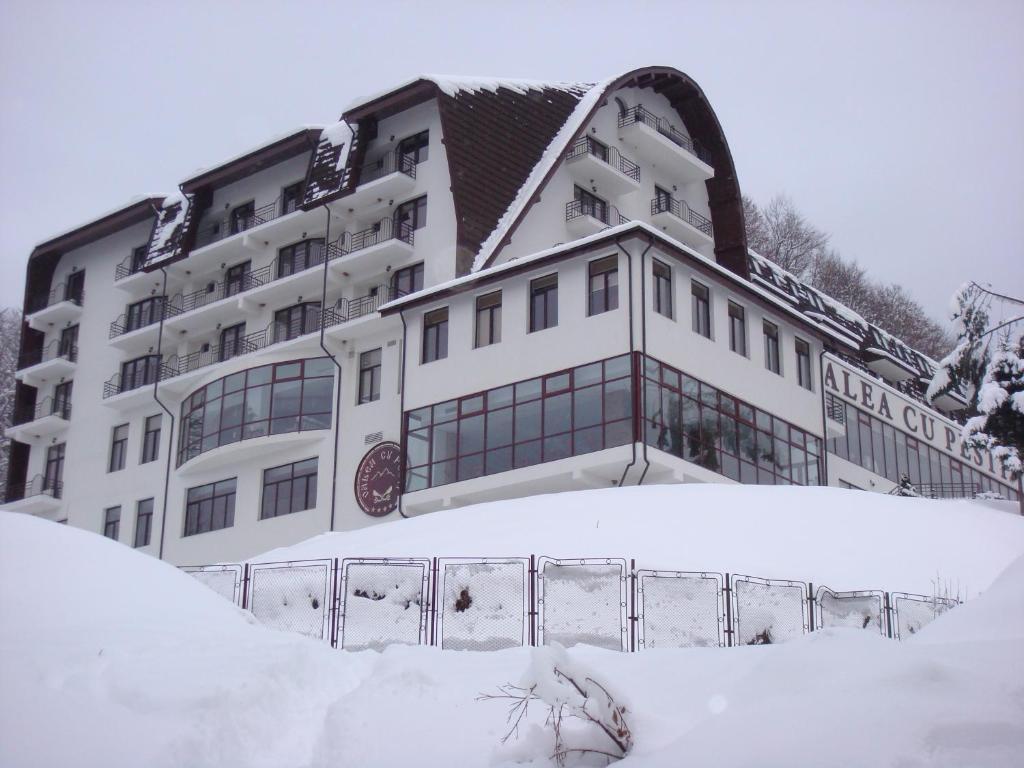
(569, 413)
(703, 425)
(269, 400)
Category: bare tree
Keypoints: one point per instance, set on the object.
(10, 333)
(780, 233)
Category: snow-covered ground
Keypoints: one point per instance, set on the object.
(110, 658)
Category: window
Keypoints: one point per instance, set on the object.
(243, 217)
(705, 426)
(737, 329)
(139, 372)
(410, 216)
(139, 254)
(596, 148)
(587, 204)
(287, 489)
(143, 313)
(701, 303)
(662, 200)
(408, 280)
(236, 279)
(414, 149)
(803, 364)
(210, 507)
(53, 477)
(771, 347)
(69, 343)
(151, 439)
(268, 400)
(435, 335)
(112, 522)
(488, 319)
(297, 320)
(567, 413)
(662, 288)
(543, 303)
(604, 285)
(232, 342)
(62, 400)
(291, 197)
(143, 522)
(300, 256)
(74, 287)
(369, 376)
(118, 448)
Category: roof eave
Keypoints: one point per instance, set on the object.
(283, 149)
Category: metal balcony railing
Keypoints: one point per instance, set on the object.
(130, 266)
(37, 486)
(385, 165)
(48, 406)
(56, 296)
(610, 155)
(381, 232)
(126, 323)
(226, 224)
(640, 114)
(948, 490)
(596, 209)
(52, 351)
(116, 385)
(681, 210)
(350, 309)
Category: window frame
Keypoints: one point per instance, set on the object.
(544, 287)
(139, 517)
(151, 439)
(118, 449)
(292, 193)
(413, 274)
(603, 273)
(194, 511)
(435, 335)
(373, 394)
(804, 372)
(310, 487)
(488, 307)
(738, 316)
(242, 217)
(414, 212)
(415, 146)
(772, 346)
(700, 307)
(662, 287)
(112, 523)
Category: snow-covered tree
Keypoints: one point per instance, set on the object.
(987, 365)
(10, 331)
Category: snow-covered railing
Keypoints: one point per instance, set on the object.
(640, 114)
(610, 155)
(56, 349)
(491, 603)
(681, 210)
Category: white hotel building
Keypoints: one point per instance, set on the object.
(465, 290)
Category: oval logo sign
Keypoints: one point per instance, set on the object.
(378, 479)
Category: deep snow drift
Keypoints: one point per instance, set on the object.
(110, 658)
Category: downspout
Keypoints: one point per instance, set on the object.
(401, 411)
(170, 432)
(337, 393)
(629, 262)
(824, 416)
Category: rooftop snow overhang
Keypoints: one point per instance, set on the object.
(285, 148)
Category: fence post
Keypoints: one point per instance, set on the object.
(532, 611)
(728, 611)
(887, 610)
(335, 590)
(432, 596)
(245, 587)
(810, 606)
(631, 612)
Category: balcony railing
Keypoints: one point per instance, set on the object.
(350, 309)
(125, 324)
(116, 385)
(681, 210)
(639, 114)
(226, 224)
(48, 406)
(53, 351)
(597, 209)
(381, 232)
(37, 486)
(387, 164)
(130, 266)
(948, 490)
(56, 296)
(610, 155)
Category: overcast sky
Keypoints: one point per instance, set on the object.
(897, 128)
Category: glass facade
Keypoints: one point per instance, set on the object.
(269, 400)
(878, 447)
(568, 413)
(703, 425)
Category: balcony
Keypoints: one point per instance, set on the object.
(53, 362)
(58, 308)
(588, 217)
(593, 164)
(361, 254)
(664, 145)
(126, 393)
(340, 320)
(137, 333)
(49, 417)
(381, 181)
(678, 220)
(39, 496)
(130, 276)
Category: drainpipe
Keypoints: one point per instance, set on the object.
(629, 262)
(824, 416)
(643, 345)
(170, 432)
(401, 412)
(337, 393)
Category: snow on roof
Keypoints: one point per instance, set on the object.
(251, 150)
(452, 85)
(135, 200)
(552, 155)
(338, 135)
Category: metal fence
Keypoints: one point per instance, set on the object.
(492, 603)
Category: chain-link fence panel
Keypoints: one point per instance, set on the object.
(293, 596)
(485, 603)
(384, 602)
(678, 609)
(864, 609)
(911, 612)
(225, 580)
(582, 601)
(767, 611)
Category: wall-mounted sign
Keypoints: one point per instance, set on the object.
(379, 479)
